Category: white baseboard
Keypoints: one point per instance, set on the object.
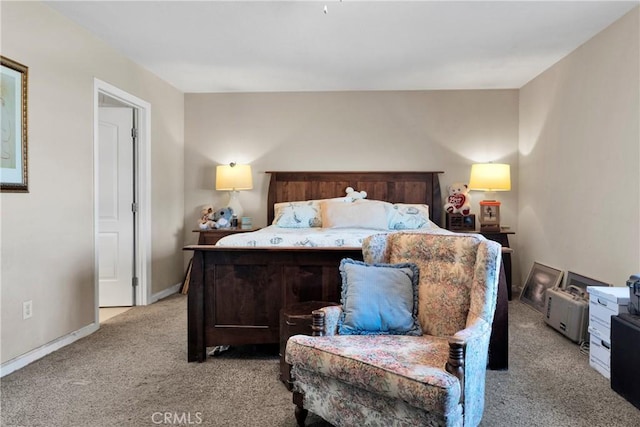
(163, 294)
(38, 353)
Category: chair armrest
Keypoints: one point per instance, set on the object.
(455, 362)
(478, 328)
(475, 341)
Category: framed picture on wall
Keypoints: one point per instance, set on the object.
(541, 278)
(13, 152)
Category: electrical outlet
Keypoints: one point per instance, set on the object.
(27, 309)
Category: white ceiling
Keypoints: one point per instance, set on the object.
(241, 46)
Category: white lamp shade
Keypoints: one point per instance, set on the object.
(490, 177)
(233, 178)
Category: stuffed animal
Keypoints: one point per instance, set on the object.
(206, 218)
(353, 195)
(222, 217)
(458, 200)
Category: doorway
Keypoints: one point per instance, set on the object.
(122, 217)
(116, 204)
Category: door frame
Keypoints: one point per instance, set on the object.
(143, 196)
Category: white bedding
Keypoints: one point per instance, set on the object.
(274, 236)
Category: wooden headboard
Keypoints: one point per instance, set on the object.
(394, 187)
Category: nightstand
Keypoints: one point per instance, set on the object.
(501, 237)
(211, 237)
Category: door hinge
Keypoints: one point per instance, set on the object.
(134, 132)
(134, 207)
(134, 282)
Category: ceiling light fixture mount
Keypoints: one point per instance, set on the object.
(325, 9)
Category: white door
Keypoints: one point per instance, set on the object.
(115, 214)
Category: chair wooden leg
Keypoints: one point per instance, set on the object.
(317, 323)
(300, 412)
(455, 362)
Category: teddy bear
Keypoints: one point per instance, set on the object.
(458, 200)
(206, 218)
(222, 217)
(353, 195)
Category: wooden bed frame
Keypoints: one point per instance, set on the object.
(236, 294)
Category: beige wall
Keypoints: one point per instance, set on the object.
(344, 131)
(579, 194)
(47, 234)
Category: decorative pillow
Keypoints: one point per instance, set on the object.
(359, 214)
(404, 216)
(297, 214)
(300, 214)
(379, 299)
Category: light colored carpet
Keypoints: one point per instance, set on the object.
(133, 372)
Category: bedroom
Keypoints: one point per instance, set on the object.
(585, 104)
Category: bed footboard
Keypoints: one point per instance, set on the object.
(235, 294)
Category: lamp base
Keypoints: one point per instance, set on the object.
(234, 203)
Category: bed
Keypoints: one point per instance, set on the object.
(236, 292)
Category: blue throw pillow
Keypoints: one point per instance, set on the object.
(379, 299)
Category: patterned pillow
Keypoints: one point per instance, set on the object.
(409, 216)
(300, 214)
(297, 214)
(379, 299)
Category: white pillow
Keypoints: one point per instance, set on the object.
(404, 216)
(359, 214)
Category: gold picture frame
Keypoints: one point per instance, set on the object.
(13, 152)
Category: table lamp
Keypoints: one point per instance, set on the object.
(490, 178)
(234, 178)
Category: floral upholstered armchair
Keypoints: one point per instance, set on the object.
(409, 344)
